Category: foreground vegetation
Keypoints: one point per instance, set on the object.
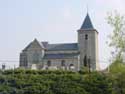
(60, 82)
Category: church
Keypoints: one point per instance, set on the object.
(64, 56)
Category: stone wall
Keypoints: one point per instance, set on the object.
(70, 64)
(88, 47)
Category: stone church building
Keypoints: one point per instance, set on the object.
(65, 56)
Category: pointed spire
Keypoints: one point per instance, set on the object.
(87, 24)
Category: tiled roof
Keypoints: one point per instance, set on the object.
(57, 47)
(87, 24)
(60, 56)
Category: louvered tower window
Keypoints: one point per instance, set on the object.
(86, 37)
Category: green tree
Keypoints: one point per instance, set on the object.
(58, 82)
(97, 83)
(118, 83)
(117, 38)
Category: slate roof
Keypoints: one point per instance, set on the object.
(60, 56)
(55, 47)
(66, 46)
(87, 24)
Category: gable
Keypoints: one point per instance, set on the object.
(35, 45)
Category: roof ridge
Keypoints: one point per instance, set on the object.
(63, 43)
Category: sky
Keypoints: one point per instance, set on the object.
(55, 21)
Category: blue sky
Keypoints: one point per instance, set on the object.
(51, 20)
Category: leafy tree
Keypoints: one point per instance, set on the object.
(118, 83)
(59, 82)
(97, 83)
(117, 67)
(117, 38)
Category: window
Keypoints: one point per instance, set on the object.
(63, 63)
(85, 61)
(49, 63)
(35, 58)
(71, 67)
(86, 37)
(25, 62)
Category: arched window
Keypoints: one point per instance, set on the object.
(71, 67)
(85, 61)
(63, 63)
(25, 62)
(49, 63)
(86, 37)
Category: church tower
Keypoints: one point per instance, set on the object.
(88, 45)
